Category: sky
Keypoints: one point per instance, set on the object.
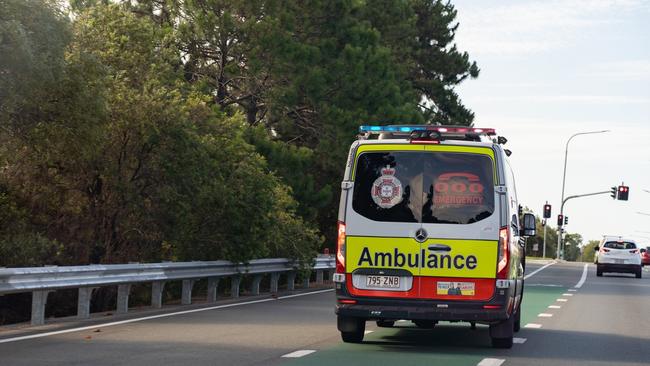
(550, 69)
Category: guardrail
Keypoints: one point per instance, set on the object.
(40, 281)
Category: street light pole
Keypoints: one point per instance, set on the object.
(566, 154)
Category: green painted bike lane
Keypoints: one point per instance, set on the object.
(449, 344)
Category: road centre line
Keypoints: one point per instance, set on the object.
(583, 278)
(491, 362)
(158, 316)
(538, 269)
(300, 353)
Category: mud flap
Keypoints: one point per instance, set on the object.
(505, 329)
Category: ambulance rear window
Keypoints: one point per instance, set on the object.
(429, 187)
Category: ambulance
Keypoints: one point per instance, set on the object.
(430, 230)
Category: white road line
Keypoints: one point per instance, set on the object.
(533, 325)
(583, 278)
(491, 362)
(519, 340)
(545, 315)
(112, 324)
(567, 294)
(562, 300)
(554, 307)
(368, 331)
(572, 290)
(537, 270)
(300, 353)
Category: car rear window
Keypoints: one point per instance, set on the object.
(429, 187)
(620, 245)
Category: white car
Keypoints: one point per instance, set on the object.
(618, 254)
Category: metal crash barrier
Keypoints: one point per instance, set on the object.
(40, 281)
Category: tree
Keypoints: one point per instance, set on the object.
(588, 251)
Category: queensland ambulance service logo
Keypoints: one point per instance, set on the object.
(387, 189)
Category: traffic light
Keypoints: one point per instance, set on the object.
(560, 220)
(614, 190)
(547, 211)
(566, 220)
(623, 192)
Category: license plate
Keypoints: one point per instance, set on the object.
(382, 281)
(619, 261)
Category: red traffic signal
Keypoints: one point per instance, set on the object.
(547, 211)
(623, 192)
(560, 220)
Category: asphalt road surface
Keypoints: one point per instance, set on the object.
(591, 321)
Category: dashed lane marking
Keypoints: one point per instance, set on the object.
(567, 294)
(562, 300)
(572, 290)
(519, 340)
(545, 315)
(112, 324)
(554, 307)
(583, 278)
(368, 331)
(491, 362)
(533, 326)
(299, 353)
(537, 270)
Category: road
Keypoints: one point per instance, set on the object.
(600, 323)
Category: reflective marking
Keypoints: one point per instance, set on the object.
(554, 307)
(491, 362)
(112, 324)
(562, 300)
(537, 270)
(545, 315)
(567, 294)
(368, 331)
(300, 353)
(583, 278)
(519, 340)
(533, 325)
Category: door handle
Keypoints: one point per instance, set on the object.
(439, 248)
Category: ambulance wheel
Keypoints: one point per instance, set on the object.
(517, 325)
(385, 323)
(352, 329)
(425, 324)
(502, 333)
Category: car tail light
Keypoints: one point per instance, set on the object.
(634, 251)
(491, 306)
(340, 248)
(346, 301)
(603, 250)
(504, 255)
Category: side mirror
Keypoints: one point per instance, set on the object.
(642, 250)
(529, 225)
(596, 248)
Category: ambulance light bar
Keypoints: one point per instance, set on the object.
(442, 129)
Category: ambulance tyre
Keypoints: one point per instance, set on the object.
(352, 329)
(385, 323)
(517, 325)
(502, 333)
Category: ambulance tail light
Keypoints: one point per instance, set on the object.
(340, 248)
(504, 253)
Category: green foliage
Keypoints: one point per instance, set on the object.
(588, 251)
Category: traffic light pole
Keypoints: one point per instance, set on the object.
(544, 246)
(559, 229)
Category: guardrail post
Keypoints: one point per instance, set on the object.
(319, 277)
(255, 287)
(123, 298)
(234, 286)
(39, 300)
(83, 302)
(305, 281)
(328, 274)
(291, 280)
(213, 286)
(275, 277)
(186, 292)
(157, 289)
